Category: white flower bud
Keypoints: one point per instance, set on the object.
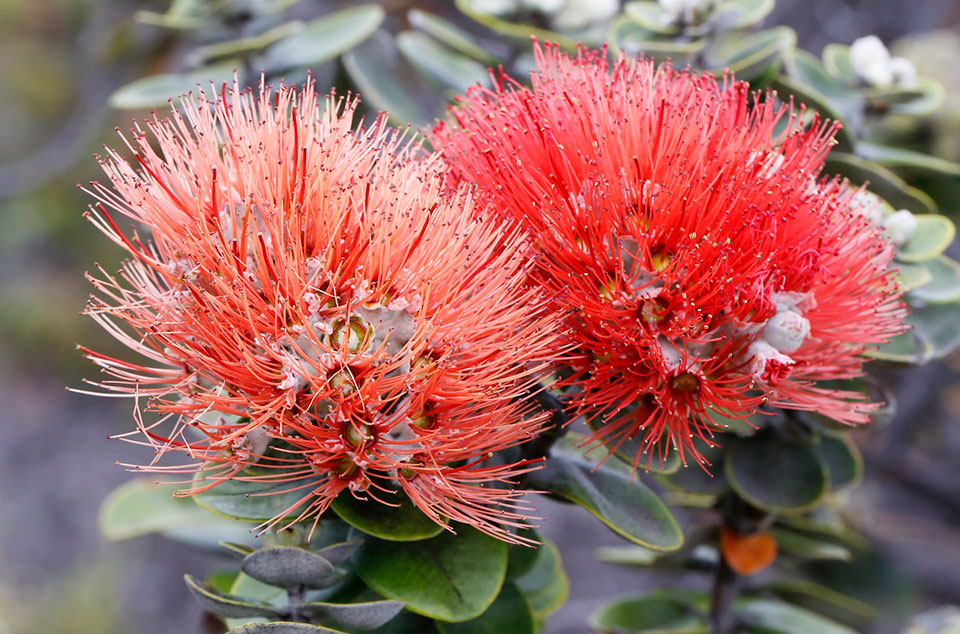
(769, 365)
(904, 72)
(867, 205)
(870, 60)
(900, 226)
(786, 331)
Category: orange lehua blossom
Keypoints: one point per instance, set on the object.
(313, 302)
(682, 222)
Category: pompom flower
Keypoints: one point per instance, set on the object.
(318, 308)
(705, 267)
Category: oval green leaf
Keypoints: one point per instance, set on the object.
(910, 277)
(836, 59)
(450, 34)
(774, 474)
(943, 285)
(255, 501)
(881, 181)
(805, 547)
(908, 161)
(933, 235)
(510, 612)
(368, 615)
(401, 523)
(826, 601)
(706, 479)
(653, 615)
(629, 508)
(651, 16)
(449, 578)
(439, 63)
(731, 15)
(158, 90)
(762, 616)
(289, 567)
(842, 458)
(936, 326)
(325, 38)
(545, 585)
(907, 347)
(375, 75)
(226, 605)
(749, 56)
(474, 10)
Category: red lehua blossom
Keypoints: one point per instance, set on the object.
(705, 268)
(316, 304)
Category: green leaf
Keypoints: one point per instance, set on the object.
(653, 615)
(631, 555)
(651, 17)
(371, 68)
(926, 97)
(520, 558)
(140, 507)
(254, 501)
(706, 479)
(933, 235)
(908, 161)
(545, 585)
(630, 509)
(907, 347)
(450, 34)
(249, 588)
(836, 59)
(448, 578)
(368, 615)
(325, 38)
(798, 545)
(731, 15)
(521, 32)
(943, 285)
(289, 567)
(626, 454)
(826, 601)
(282, 627)
(842, 458)
(936, 326)
(510, 612)
(340, 552)
(401, 523)
(914, 276)
(247, 45)
(227, 605)
(238, 550)
(158, 90)
(824, 528)
(221, 580)
(881, 181)
(439, 63)
(810, 97)
(181, 15)
(749, 56)
(774, 474)
(762, 616)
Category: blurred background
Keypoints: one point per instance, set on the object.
(60, 60)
